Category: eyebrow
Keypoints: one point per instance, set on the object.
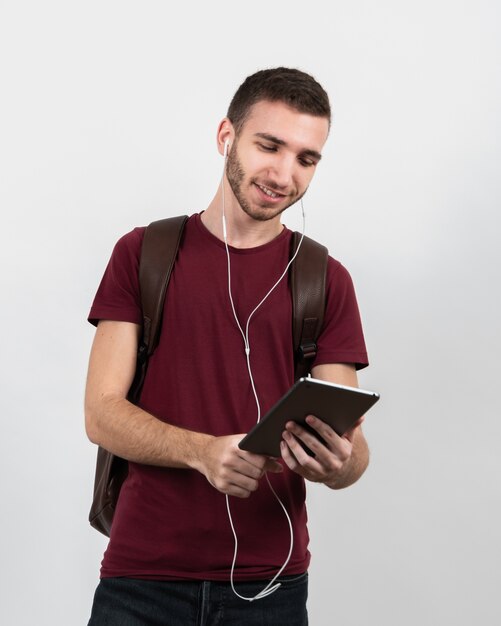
(281, 142)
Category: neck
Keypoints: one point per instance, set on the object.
(242, 230)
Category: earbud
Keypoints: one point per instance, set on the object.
(226, 148)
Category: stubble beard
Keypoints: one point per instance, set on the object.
(236, 176)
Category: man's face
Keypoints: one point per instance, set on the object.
(273, 159)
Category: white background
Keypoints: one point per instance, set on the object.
(108, 119)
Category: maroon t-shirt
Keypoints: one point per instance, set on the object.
(171, 523)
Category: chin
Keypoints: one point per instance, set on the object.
(262, 214)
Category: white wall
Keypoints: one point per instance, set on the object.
(108, 119)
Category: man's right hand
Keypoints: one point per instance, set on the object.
(234, 471)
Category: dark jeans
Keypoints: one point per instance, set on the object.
(133, 602)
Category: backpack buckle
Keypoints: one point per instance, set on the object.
(307, 350)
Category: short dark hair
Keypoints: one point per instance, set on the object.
(281, 84)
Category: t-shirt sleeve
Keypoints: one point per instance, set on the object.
(341, 339)
(118, 296)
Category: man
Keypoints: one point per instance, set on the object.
(169, 560)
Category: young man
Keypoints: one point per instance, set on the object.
(169, 560)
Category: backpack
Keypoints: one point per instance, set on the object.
(158, 255)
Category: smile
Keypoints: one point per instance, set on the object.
(269, 192)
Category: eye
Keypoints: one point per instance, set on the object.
(267, 148)
(305, 162)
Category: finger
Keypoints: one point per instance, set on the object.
(338, 445)
(258, 465)
(234, 484)
(257, 460)
(237, 492)
(300, 454)
(319, 447)
(289, 459)
(249, 463)
(240, 482)
(326, 460)
(243, 467)
(293, 464)
(325, 431)
(234, 465)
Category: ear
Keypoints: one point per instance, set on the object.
(225, 132)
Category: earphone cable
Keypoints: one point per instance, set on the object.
(270, 587)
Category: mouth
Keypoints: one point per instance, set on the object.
(271, 195)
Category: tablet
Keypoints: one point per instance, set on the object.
(337, 405)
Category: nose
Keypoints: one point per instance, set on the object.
(281, 171)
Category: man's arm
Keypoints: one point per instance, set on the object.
(344, 459)
(133, 434)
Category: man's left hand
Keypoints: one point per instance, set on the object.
(333, 461)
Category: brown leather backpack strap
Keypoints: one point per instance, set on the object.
(158, 255)
(308, 276)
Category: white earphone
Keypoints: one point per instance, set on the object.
(226, 148)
